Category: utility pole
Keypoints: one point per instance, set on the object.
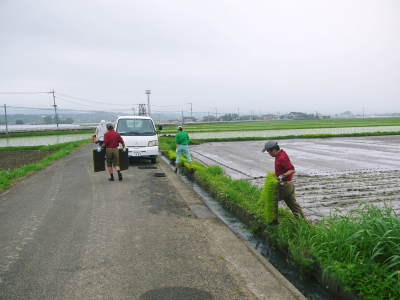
(55, 107)
(216, 114)
(148, 92)
(363, 112)
(5, 117)
(238, 115)
(191, 109)
(208, 116)
(182, 116)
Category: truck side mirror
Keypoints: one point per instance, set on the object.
(160, 127)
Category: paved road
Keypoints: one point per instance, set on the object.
(68, 233)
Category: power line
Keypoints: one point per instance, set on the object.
(72, 101)
(62, 109)
(23, 93)
(90, 100)
(26, 107)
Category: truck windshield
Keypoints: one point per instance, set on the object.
(136, 127)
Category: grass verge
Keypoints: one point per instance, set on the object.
(6, 177)
(356, 255)
(46, 133)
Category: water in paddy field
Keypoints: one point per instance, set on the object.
(333, 175)
(28, 127)
(286, 132)
(41, 140)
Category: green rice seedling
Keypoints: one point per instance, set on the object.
(268, 198)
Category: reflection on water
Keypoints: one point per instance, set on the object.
(286, 132)
(42, 140)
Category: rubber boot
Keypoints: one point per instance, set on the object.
(111, 177)
(119, 175)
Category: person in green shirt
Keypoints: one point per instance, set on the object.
(182, 147)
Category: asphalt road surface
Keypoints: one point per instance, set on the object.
(68, 233)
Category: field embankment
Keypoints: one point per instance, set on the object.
(284, 124)
(358, 252)
(17, 162)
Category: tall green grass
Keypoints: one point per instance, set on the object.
(360, 250)
(6, 177)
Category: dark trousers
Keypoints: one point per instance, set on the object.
(287, 194)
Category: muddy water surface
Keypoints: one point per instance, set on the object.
(268, 133)
(334, 174)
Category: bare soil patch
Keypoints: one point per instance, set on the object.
(14, 159)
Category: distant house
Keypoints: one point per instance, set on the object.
(269, 117)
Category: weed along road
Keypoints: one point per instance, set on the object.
(68, 233)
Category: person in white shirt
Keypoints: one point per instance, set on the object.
(101, 129)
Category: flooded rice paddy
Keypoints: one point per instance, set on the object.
(286, 132)
(41, 140)
(334, 174)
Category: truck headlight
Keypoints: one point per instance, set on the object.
(153, 143)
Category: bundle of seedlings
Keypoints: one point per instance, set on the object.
(268, 198)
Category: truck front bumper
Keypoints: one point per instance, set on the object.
(143, 151)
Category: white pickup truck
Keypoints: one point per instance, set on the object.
(139, 135)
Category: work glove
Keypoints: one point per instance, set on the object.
(281, 177)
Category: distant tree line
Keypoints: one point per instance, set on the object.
(266, 117)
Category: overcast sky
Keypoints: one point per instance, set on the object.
(268, 56)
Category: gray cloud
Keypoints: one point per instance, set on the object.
(326, 56)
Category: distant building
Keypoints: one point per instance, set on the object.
(269, 117)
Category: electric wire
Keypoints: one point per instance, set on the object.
(23, 93)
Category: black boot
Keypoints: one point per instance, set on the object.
(119, 176)
(111, 177)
